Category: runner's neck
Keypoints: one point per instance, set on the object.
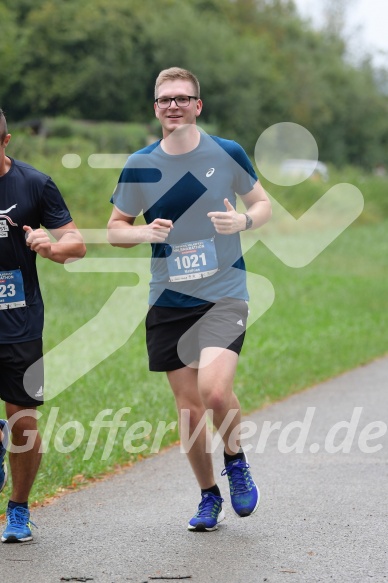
(181, 141)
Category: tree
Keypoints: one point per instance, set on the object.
(258, 62)
(13, 52)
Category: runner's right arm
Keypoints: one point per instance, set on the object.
(122, 232)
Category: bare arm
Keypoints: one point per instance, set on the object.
(258, 208)
(69, 244)
(123, 233)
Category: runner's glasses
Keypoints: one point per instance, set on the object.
(180, 101)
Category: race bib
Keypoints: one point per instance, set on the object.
(11, 290)
(193, 260)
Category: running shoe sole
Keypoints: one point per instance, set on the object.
(14, 539)
(200, 527)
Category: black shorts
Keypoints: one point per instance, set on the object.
(16, 387)
(176, 336)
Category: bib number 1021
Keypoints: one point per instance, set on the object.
(190, 261)
(7, 291)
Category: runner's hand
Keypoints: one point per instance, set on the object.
(157, 231)
(38, 241)
(229, 222)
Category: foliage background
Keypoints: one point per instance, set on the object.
(258, 62)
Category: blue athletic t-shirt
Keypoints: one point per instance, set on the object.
(184, 188)
(27, 197)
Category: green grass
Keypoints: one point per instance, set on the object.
(327, 317)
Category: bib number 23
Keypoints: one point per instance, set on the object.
(11, 290)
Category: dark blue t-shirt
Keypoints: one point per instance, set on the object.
(27, 197)
(184, 188)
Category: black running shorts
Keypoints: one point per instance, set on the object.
(16, 377)
(176, 336)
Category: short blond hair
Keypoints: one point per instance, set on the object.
(176, 73)
(3, 126)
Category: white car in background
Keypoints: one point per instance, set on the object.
(303, 169)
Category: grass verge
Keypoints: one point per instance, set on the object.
(327, 317)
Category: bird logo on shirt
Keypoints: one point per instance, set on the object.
(3, 215)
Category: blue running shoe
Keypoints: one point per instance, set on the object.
(18, 529)
(3, 451)
(244, 493)
(209, 513)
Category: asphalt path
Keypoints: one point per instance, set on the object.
(323, 517)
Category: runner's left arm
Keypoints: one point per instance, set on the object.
(258, 208)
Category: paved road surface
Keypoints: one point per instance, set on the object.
(323, 515)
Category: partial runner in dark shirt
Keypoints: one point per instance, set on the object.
(27, 197)
(28, 200)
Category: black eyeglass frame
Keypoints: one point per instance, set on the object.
(174, 99)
